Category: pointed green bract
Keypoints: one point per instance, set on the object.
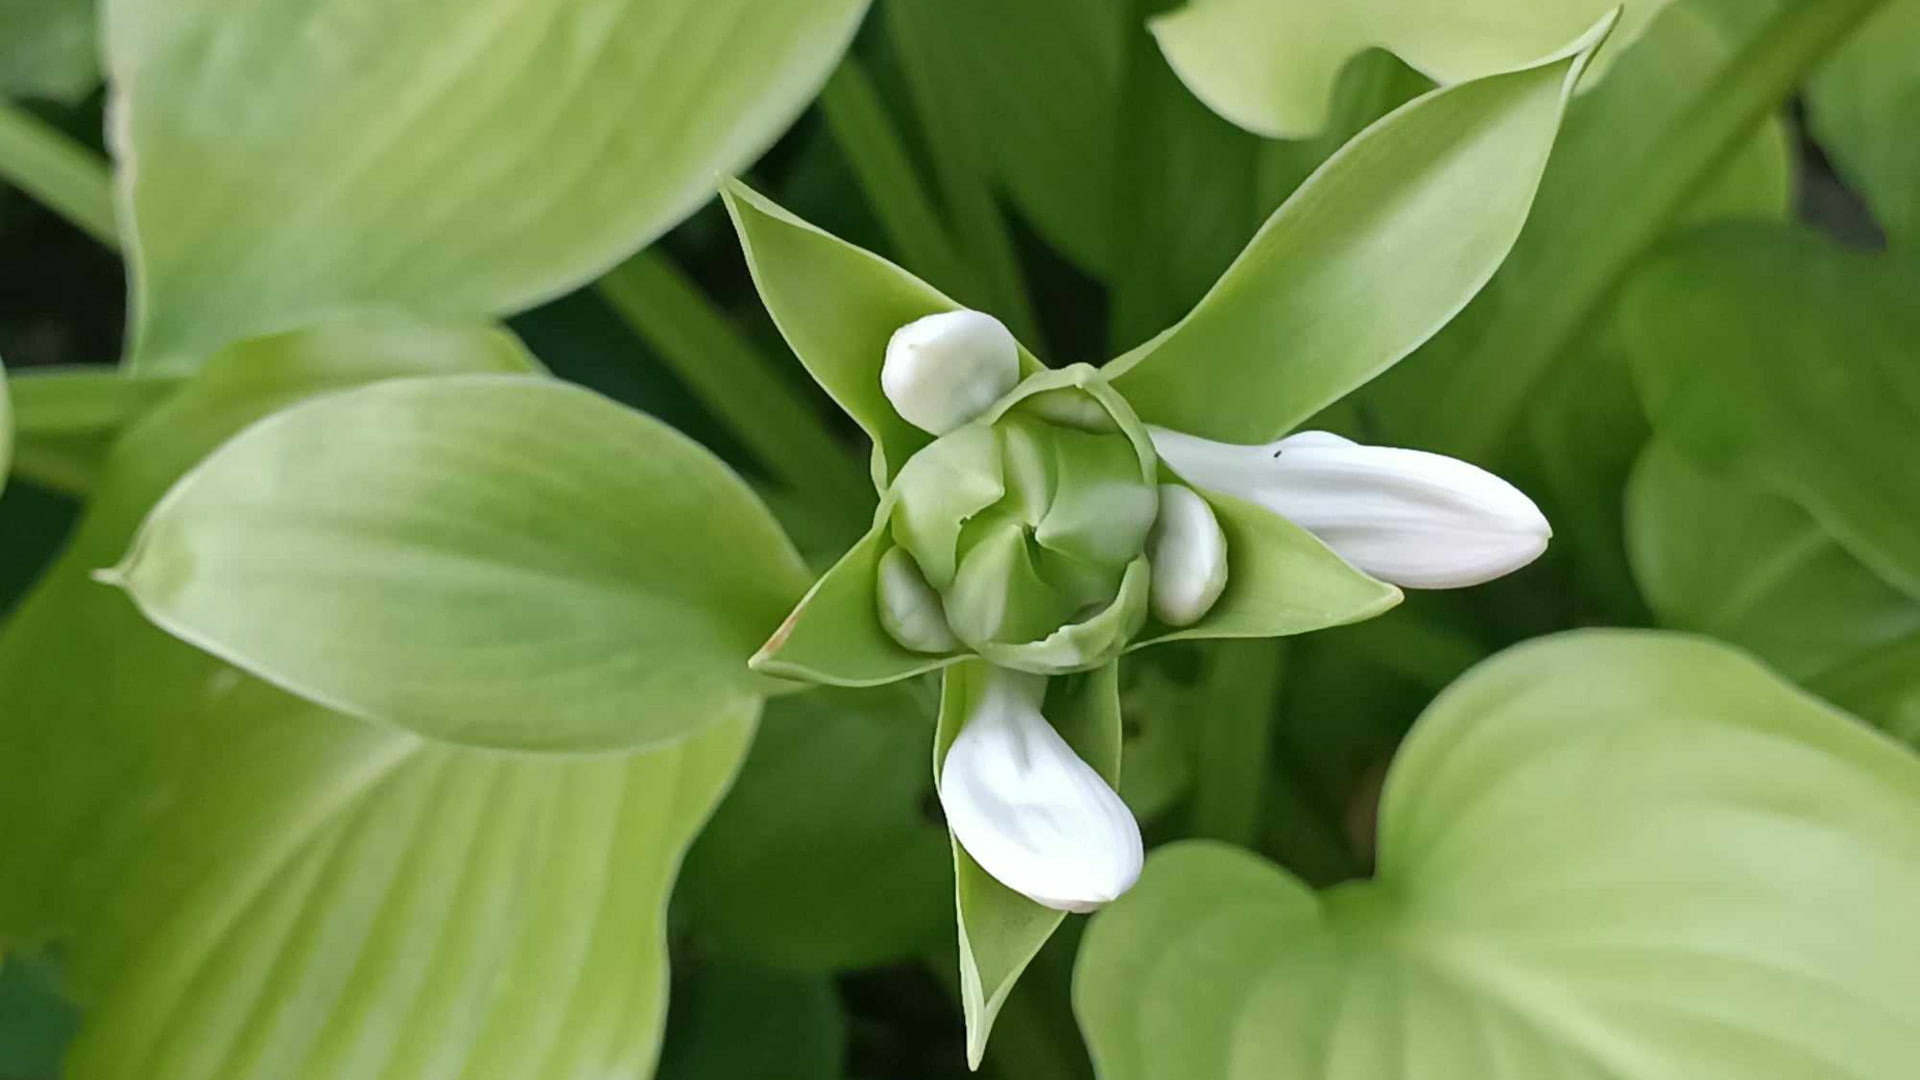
(1270, 65)
(1280, 581)
(1629, 855)
(1777, 357)
(246, 885)
(1371, 256)
(837, 305)
(834, 635)
(1001, 930)
(290, 160)
(495, 561)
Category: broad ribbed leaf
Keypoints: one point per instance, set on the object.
(1864, 105)
(1270, 65)
(1717, 557)
(288, 160)
(1001, 930)
(1604, 856)
(492, 561)
(1776, 357)
(1371, 256)
(248, 886)
(837, 305)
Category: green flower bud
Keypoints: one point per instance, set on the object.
(1030, 524)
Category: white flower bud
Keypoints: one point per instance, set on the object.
(1420, 520)
(1028, 810)
(910, 610)
(1189, 557)
(946, 369)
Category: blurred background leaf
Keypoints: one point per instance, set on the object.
(287, 161)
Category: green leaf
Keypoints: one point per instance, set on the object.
(36, 1021)
(1371, 256)
(248, 886)
(733, 1021)
(834, 635)
(813, 876)
(66, 420)
(1001, 930)
(1777, 358)
(48, 49)
(1270, 65)
(837, 306)
(7, 426)
(1751, 568)
(506, 562)
(1280, 581)
(1606, 854)
(1864, 105)
(1659, 135)
(1042, 86)
(291, 160)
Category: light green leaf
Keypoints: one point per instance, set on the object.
(837, 306)
(290, 160)
(1629, 856)
(1372, 255)
(1751, 568)
(1280, 581)
(1270, 65)
(1001, 930)
(66, 420)
(48, 49)
(1777, 358)
(814, 876)
(1864, 105)
(491, 561)
(247, 886)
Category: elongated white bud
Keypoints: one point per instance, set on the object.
(1028, 810)
(1420, 520)
(1189, 557)
(910, 610)
(946, 369)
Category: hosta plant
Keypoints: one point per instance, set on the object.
(1158, 463)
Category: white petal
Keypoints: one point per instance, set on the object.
(910, 610)
(1424, 521)
(946, 369)
(1189, 557)
(1028, 810)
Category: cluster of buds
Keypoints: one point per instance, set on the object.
(1046, 529)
